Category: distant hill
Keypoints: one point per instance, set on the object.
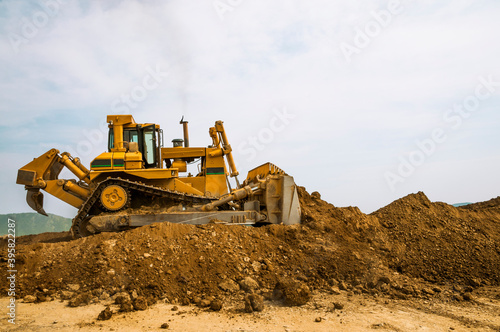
(460, 204)
(34, 223)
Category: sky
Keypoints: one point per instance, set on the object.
(362, 101)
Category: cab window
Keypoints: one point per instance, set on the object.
(149, 145)
(129, 135)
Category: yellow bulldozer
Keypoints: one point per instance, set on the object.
(138, 181)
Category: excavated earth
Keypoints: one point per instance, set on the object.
(412, 248)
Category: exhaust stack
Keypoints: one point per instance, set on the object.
(186, 133)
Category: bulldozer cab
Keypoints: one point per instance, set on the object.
(147, 139)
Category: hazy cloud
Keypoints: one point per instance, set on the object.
(353, 119)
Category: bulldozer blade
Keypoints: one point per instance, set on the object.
(34, 198)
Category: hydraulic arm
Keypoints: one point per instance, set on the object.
(43, 172)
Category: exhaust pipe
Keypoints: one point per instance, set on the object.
(186, 133)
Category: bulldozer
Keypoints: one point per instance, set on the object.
(138, 181)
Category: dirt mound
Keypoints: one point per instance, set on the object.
(50, 237)
(181, 262)
(439, 242)
(334, 248)
(492, 204)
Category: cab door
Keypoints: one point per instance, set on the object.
(149, 146)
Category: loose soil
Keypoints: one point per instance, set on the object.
(425, 257)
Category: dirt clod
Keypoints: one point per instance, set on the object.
(126, 306)
(106, 314)
(66, 295)
(467, 296)
(292, 293)
(80, 300)
(121, 298)
(29, 299)
(140, 303)
(254, 302)
(204, 303)
(338, 306)
(229, 286)
(216, 305)
(248, 284)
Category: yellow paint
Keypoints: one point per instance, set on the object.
(126, 161)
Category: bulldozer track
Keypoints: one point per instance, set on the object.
(77, 228)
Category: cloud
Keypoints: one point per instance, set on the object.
(353, 120)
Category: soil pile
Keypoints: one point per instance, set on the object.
(334, 248)
(441, 243)
(182, 262)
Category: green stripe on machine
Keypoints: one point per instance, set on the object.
(101, 163)
(216, 171)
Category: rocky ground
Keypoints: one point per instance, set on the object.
(325, 312)
(412, 262)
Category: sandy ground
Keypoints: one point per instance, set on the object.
(359, 314)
